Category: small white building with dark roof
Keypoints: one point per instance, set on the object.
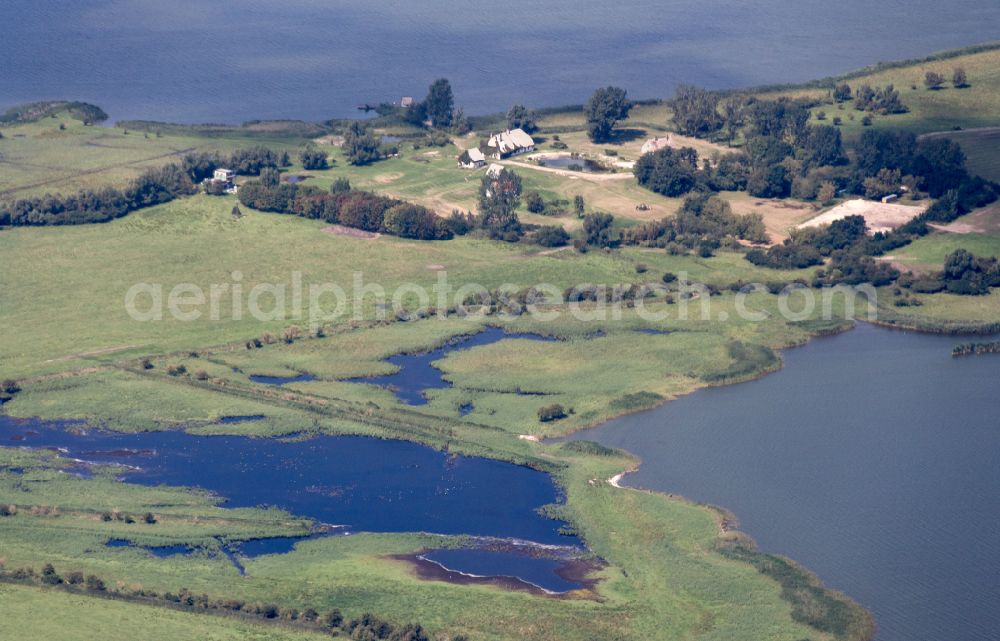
(472, 159)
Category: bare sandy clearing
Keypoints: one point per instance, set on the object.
(350, 232)
(878, 216)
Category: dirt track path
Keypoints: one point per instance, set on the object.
(597, 178)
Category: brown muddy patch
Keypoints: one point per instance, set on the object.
(575, 570)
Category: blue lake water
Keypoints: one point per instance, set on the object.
(871, 458)
(365, 484)
(417, 374)
(191, 61)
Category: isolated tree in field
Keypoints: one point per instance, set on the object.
(933, 80)
(696, 110)
(313, 158)
(959, 79)
(9, 386)
(597, 229)
(460, 124)
(520, 118)
(578, 205)
(360, 146)
(604, 109)
(440, 103)
(535, 202)
(499, 196)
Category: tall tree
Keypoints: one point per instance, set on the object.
(360, 146)
(605, 108)
(696, 110)
(440, 103)
(520, 118)
(499, 196)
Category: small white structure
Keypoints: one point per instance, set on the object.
(655, 144)
(472, 159)
(891, 198)
(509, 143)
(223, 181)
(406, 102)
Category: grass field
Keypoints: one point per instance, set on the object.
(40, 157)
(982, 150)
(35, 613)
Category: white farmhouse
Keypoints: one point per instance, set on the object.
(472, 159)
(509, 143)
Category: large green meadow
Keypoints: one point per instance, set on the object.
(76, 353)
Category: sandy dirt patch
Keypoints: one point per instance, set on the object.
(580, 175)
(333, 141)
(879, 216)
(435, 268)
(350, 232)
(780, 216)
(385, 179)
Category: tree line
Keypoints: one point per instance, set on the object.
(153, 187)
(368, 627)
(344, 205)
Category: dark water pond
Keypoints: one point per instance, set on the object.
(871, 458)
(159, 551)
(417, 373)
(282, 380)
(573, 164)
(318, 60)
(540, 572)
(364, 484)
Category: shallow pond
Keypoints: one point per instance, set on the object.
(573, 164)
(364, 484)
(417, 373)
(871, 458)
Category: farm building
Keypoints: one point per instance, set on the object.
(221, 182)
(509, 143)
(407, 101)
(472, 159)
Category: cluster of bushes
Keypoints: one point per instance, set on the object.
(550, 413)
(881, 100)
(704, 221)
(368, 627)
(963, 274)
(8, 388)
(148, 518)
(153, 187)
(351, 208)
